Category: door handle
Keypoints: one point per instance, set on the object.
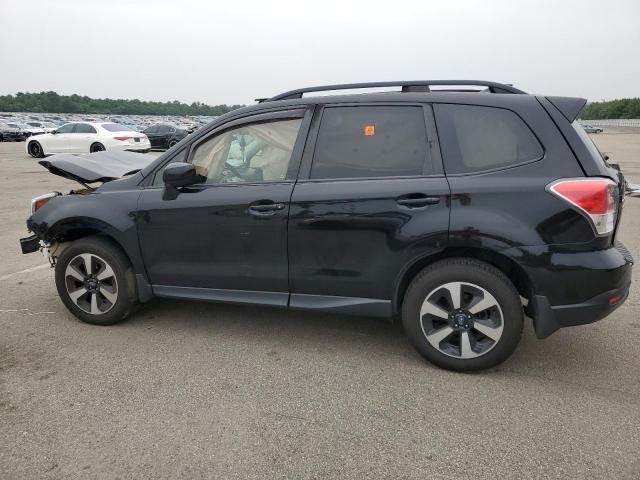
(417, 200)
(265, 208)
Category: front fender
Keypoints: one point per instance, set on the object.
(70, 217)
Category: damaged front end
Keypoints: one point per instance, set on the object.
(86, 169)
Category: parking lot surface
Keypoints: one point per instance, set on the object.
(199, 390)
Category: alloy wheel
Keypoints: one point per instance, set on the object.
(91, 283)
(461, 320)
(34, 149)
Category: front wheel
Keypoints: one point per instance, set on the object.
(463, 314)
(35, 149)
(95, 281)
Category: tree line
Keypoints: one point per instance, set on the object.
(51, 102)
(623, 108)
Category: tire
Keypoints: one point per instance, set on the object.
(439, 331)
(35, 149)
(172, 143)
(114, 293)
(96, 147)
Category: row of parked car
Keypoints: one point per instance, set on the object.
(89, 137)
(18, 127)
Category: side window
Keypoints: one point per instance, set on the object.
(258, 152)
(380, 141)
(177, 158)
(84, 128)
(151, 130)
(66, 128)
(475, 138)
(164, 129)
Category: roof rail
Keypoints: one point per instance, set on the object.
(407, 86)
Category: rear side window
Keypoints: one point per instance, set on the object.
(474, 138)
(84, 128)
(115, 127)
(361, 142)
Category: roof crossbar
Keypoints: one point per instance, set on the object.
(407, 86)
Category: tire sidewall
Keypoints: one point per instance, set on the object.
(93, 145)
(123, 273)
(479, 274)
(40, 151)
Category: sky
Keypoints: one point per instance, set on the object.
(235, 51)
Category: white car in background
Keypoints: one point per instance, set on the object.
(87, 137)
(47, 127)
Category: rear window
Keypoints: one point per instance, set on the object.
(364, 142)
(475, 138)
(114, 127)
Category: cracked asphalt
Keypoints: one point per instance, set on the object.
(197, 390)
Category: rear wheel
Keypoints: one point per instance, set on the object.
(96, 147)
(35, 149)
(95, 281)
(462, 314)
(172, 143)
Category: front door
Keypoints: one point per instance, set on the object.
(60, 141)
(227, 236)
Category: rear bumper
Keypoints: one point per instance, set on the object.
(575, 288)
(548, 318)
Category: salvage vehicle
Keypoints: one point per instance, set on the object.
(10, 134)
(26, 130)
(456, 211)
(83, 137)
(591, 129)
(164, 136)
(47, 127)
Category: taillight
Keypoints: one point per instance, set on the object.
(122, 139)
(594, 197)
(39, 202)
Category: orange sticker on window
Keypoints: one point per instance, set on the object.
(369, 130)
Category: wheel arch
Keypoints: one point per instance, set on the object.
(514, 272)
(70, 230)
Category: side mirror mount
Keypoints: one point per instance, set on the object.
(180, 174)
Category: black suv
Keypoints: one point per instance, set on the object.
(458, 210)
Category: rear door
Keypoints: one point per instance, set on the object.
(371, 199)
(152, 135)
(83, 136)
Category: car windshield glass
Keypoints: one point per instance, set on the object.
(114, 127)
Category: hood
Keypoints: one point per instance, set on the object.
(96, 167)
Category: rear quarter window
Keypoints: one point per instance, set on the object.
(477, 138)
